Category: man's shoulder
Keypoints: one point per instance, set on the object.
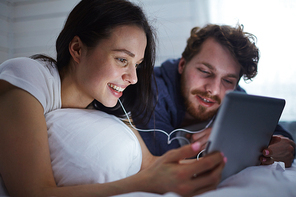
(167, 68)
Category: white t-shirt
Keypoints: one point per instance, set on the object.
(42, 81)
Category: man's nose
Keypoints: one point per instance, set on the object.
(214, 87)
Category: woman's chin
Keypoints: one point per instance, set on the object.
(110, 103)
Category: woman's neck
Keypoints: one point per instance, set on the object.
(71, 96)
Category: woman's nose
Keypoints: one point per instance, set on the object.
(131, 75)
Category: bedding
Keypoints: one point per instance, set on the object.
(109, 142)
(90, 146)
(258, 181)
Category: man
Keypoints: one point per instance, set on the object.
(191, 89)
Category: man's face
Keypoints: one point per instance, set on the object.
(206, 78)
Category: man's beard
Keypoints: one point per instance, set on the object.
(200, 113)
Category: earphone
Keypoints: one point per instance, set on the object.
(168, 135)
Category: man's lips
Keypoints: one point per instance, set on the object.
(207, 102)
(206, 99)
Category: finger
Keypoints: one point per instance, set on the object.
(188, 135)
(214, 170)
(203, 134)
(187, 151)
(266, 160)
(267, 152)
(202, 141)
(207, 177)
(209, 180)
(284, 139)
(209, 162)
(197, 136)
(204, 145)
(291, 142)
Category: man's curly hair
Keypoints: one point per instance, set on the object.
(240, 44)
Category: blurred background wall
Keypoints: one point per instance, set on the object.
(28, 27)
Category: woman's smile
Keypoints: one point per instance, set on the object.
(116, 90)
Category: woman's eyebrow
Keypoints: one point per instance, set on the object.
(125, 51)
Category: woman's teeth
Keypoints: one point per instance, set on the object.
(114, 87)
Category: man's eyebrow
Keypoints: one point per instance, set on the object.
(233, 76)
(212, 68)
(208, 65)
(125, 51)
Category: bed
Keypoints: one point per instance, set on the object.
(89, 146)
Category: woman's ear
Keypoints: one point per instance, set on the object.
(181, 65)
(75, 49)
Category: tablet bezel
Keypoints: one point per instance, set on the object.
(243, 128)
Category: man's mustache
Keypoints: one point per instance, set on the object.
(206, 95)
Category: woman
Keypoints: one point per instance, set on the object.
(105, 48)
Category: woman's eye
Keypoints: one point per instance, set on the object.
(122, 60)
(137, 65)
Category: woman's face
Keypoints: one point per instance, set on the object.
(105, 71)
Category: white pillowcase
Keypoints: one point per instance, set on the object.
(90, 146)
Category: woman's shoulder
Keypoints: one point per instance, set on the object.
(36, 77)
(28, 66)
(18, 61)
(21, 64)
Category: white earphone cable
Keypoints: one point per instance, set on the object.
(168, 135)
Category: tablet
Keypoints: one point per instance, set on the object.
(243, 128)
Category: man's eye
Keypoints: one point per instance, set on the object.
(203, 71)
(227, 81)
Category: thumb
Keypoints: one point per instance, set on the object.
(187, 151)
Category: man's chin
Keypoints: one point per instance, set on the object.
(201, 114)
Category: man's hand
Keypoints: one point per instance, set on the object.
(280, 149)
(201, 137)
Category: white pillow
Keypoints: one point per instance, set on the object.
(90, 146)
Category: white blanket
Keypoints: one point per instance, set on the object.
(257, 181)
(261, 181)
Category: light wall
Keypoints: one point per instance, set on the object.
(5, 30)
(28, 27)
(32, 27)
